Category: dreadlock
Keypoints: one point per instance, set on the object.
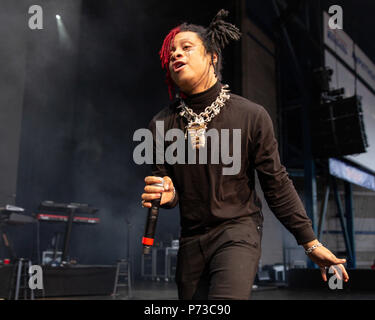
(215, 37)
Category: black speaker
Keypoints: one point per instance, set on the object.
(337, 128)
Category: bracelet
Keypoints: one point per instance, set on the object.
(311, 249)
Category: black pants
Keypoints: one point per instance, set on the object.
(222, 263)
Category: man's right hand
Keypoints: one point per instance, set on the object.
(155, 192)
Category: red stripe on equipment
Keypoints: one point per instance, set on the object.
(147, 241)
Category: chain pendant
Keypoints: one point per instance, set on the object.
(197, 128)
(196, 131)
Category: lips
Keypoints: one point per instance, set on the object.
(178, 66)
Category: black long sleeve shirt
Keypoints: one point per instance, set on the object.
(206, 197)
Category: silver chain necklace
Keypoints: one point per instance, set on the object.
(197, 123)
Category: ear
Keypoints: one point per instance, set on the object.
(215, 58)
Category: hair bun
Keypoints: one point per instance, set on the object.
(221, 32)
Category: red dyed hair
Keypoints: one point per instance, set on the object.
(164, 54)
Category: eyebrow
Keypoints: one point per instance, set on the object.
(183, 40)
(186, 39)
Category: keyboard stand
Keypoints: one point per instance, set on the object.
(68, 232)
(7, 244)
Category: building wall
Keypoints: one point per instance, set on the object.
(259, 86)
(364, 223)
(364, 226)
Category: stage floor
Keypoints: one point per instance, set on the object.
(151, 290)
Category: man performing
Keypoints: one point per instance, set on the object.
(221, 216)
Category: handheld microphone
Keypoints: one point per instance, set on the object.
(152, 218)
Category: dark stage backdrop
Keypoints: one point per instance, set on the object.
(86, 91)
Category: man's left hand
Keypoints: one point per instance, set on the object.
(324, 258)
